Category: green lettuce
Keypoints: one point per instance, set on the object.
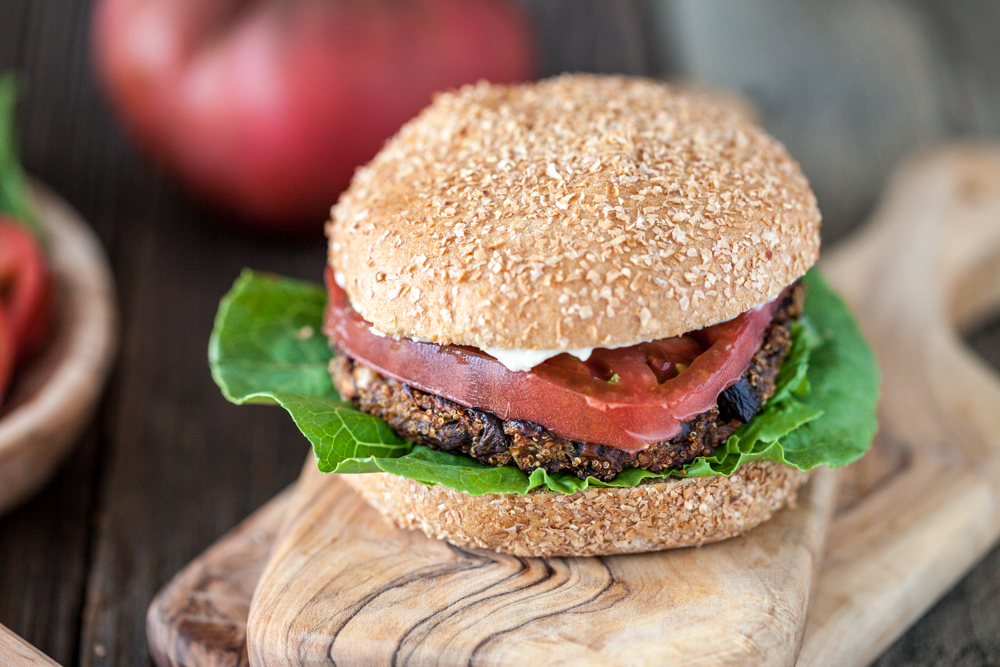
(267, 347)
(15, 196)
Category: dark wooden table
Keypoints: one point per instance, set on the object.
(168, 466)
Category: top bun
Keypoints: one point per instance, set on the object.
(581, 211)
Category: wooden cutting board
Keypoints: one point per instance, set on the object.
(344, 587)
(15, 652)
(911, 517)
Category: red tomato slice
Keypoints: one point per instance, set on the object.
(24, 288)
(6, 354)
(625, 398)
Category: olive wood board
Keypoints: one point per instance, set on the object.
(15, 652)
(910, 518)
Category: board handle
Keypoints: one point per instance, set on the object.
(924, 505)
(924, 271)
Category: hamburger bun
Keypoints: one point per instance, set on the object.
(582, 211)
(597, 521)
(576, 212)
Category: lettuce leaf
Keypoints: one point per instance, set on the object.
(15, 196)
(267, 340)
(267, 348)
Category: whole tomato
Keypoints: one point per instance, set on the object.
(268, 106)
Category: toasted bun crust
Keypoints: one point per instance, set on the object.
(598, 521)
(576, 212)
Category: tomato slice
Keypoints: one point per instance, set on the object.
(627, 398)
(24, 288)
(6, 354)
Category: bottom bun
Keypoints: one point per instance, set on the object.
(665, 514)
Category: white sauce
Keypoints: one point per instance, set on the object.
(525, 360)
(514, 360)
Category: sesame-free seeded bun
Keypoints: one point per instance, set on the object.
(576, 212)
(667, 514)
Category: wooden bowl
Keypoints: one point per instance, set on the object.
(52, 400)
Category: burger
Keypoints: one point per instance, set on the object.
(572, 317)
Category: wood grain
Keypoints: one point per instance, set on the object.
(207, 625)
(344, 587)
(915, 277)
(15, 652)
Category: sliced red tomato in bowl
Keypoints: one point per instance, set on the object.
(25, 292)
(6, 354)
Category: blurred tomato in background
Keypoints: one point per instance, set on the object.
(266, 107)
